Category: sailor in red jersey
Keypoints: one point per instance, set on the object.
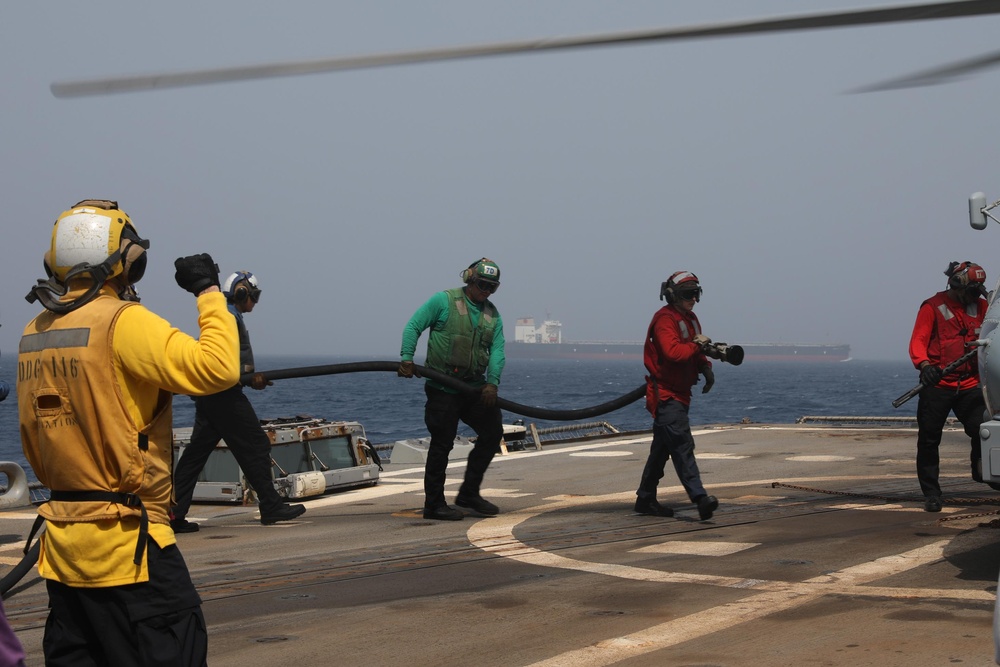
(674, 355)
(947, 323)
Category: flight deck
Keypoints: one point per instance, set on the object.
(820, 554)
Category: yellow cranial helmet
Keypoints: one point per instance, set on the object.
(96, 238)
(92, 242)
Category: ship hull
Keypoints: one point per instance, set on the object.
(633, 351)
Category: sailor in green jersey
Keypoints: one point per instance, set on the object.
(466, 342)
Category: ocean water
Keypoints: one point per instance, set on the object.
(391, 408)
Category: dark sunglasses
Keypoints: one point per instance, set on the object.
(254, 294)
(487, 287)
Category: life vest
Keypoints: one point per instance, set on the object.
(76, 430)
(954, 326)
(246, 352)
(667, 378)
(460, 348)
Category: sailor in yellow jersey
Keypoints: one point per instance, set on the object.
(96, 374)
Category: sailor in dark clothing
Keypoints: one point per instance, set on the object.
(229, 415)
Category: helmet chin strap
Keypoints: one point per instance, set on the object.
(50, 292)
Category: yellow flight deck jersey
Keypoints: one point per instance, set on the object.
(94, 396)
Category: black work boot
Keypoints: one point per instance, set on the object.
(183, 526)
(706, 506)
(652, 508)
(283, 512)
(477, 504)
(443, 513)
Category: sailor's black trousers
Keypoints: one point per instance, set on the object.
(154, 623)
(932, 412)
(442, 413)
(226, 415)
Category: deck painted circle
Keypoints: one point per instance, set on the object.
(764, 597)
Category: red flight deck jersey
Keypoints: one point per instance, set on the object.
(940, 334)
(671, 357)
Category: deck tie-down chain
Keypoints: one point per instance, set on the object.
(914, 499)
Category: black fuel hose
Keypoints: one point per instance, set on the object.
(510, 406)
(18, 571)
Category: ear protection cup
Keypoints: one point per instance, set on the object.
(133, 261)
(240, 294)
(954, 273)
(667, 289)
(468, 275)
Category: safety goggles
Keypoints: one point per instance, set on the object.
(487, 287)
(689, 295)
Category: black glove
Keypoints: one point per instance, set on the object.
(197, 272)
(709, 378)
(930, 375)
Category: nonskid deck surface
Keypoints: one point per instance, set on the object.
(843, 569)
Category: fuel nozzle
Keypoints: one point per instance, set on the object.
(731, 354)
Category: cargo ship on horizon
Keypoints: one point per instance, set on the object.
(546, 342)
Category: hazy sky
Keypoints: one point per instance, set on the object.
(810, 214)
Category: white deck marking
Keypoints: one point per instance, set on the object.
(505, 493)
(722, 456)
(601, 454)
(890, 507)
(417, 485)
(724, 616)
(689, 548)
(497, 536)
(820, 458)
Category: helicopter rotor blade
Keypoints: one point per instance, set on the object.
(919, 12)
(932, 77)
